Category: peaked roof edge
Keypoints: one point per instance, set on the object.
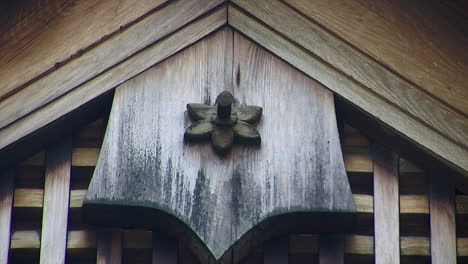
(449, 148)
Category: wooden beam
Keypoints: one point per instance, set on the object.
(56, 200)
(109, 53)
(109, 246)
(331, 249)
(164, 250)
(442, 207)
(113, 77)
(6, 206)
(276, 250)
(348, 61)
(55, 31)
(422, 44)
(305, 60)
(354, 244)
(386, 206)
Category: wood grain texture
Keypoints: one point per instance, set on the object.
(276, 251)
(109, 246)
(304, 172)
(102, 57)
(360, 68)
(442, 208)
(386, 206)
(331, 249)
(425, 138)
(56, 201)
(424, 43)
(354, 244)
(111, 78)
(164, 250)
(54, 31)
(6, 206)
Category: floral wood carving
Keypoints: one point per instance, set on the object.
(223, 123)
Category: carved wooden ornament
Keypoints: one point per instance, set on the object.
(223, 123)
(293, 180)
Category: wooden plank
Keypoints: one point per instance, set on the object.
(109, 53)
(33, 198)
(85, 156)
(56, 200)
(386, 206)
(331, 249)
(442, 208)
(462, 204)
(164, 250)
(52, 32)
(113, 77)
(109, 246)
(426, 138)
(423, 44)
(276, 250)
(137, 239)
(350, 62)
(6, 205)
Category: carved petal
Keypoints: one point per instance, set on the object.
(249, 114)
(200, 111)
(222, 138)
(246, 132)
(199, 130)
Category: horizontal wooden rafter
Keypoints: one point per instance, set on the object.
(354, 244)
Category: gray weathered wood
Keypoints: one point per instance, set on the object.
(109, 246)
(386, 206)
(442, 209)
(56, 201)
(6, 206)
(331, 249)
(144, 162)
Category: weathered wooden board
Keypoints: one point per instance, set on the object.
(111, 78)
(425, 44)
(379, 109)
(297, 169)
(56, 200)
(59, 30)
(386, 206)
(6, 206)
(99, 59)
(442, 207)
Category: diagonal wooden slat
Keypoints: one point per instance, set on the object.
(113, 77)
(56, 201)
(104, 56)
(426, 138)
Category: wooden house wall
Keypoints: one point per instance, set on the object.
(378, 179)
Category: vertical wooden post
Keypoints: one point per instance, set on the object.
(109, 246)
(331, 249)
(164, 250)
(56, 201)
(275, 251)
(6, 204)
(386, 206)
(442, 209)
